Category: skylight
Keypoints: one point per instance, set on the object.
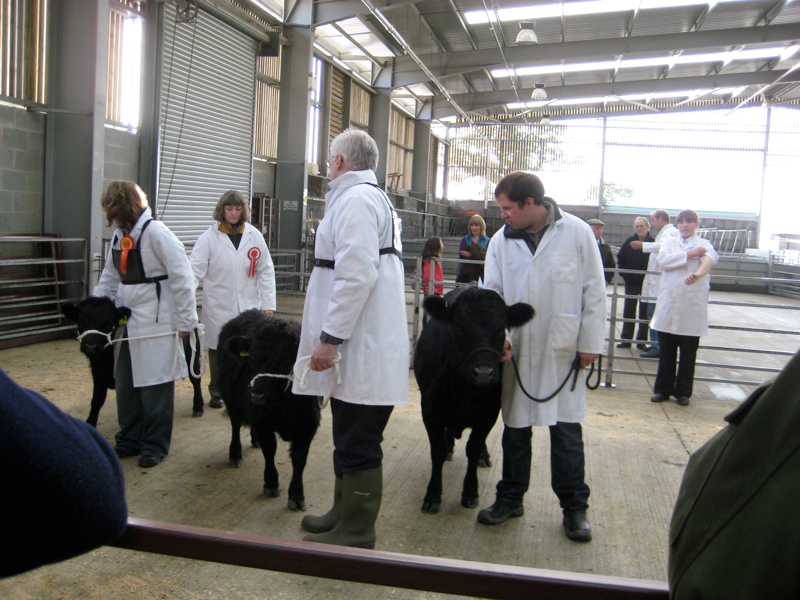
(591, 7)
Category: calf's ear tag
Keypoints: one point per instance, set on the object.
(123, 321)
(243, 353)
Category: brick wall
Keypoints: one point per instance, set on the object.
(21, 170)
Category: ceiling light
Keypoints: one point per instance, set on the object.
(546, 120)
(526, 35)
(538, 92)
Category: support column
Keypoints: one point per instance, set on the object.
(380, 113)
(291, 173)
(76, 139)
(420, 169)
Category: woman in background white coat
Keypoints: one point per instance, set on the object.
(681, 316)
(233, 261)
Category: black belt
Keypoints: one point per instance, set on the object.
(329, 264)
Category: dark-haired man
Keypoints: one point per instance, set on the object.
(549, 259)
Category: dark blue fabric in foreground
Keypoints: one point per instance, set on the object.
(63, 489)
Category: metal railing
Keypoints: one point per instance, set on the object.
(613, 320)
(423, 573)
(35, 280)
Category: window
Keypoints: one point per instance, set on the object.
(23, 44)
(123, 85)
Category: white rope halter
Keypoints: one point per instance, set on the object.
(176, 370)
(303, 379)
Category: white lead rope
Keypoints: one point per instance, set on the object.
(176, 370)
(303, 379)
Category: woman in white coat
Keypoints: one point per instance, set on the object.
(681, 316)
(146, 271)
(232, 259)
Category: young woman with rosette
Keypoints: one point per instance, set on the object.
(233, 261)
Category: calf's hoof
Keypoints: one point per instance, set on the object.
(254, 442)
(216, 403)
(197, 413)
(431, 506)
(272, 492)
(449, 456)
(235, 462)
(468, 502)
(295, 505)
(484, 462)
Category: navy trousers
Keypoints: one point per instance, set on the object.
(567, 466)
(357, 436)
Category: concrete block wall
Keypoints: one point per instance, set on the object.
(21, 170)
(121, 157)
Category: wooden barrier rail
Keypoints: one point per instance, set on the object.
(480, 580)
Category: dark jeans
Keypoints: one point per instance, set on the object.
(566, 466)
(629, 312)
(667, 383)
(144, 413)
(357, 436)
(651, 309)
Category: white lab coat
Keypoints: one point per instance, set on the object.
(224, 269)
(650, 283)
(682, 309)
(162, 254)
(564, 283)
(361, 300)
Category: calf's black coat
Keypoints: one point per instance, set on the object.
(100, 314)
(457, 366)
(251, 344)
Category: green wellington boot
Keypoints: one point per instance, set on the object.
(328, 521)
(361, 501)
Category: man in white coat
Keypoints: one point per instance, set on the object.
(147, 271)
(659, 223)
(355, 305)
(549, 259)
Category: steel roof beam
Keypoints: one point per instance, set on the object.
(339, 10)
(483, 100)
(407, 72)
(774, 12)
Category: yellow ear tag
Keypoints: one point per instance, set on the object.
(244, 354)
(123, 321)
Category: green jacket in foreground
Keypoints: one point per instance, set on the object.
(735, 531)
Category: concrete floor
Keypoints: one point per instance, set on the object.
(636, 452)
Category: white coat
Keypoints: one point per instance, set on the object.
(162, 254)
(228, 290)
(650, 283)
(564, 283)
(682, 309)
(361, 300)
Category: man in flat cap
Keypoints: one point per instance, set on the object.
(605, 249)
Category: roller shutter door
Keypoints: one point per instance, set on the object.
(206, 124)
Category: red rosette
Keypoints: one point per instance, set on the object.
(253, 254)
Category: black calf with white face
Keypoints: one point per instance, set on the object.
(457, 364)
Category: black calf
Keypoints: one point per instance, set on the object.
(249, 345)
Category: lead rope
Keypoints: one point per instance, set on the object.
(575, 368)
(335, 380)
(176, 373)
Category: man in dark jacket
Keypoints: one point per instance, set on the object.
(635, 260)
(63, 486)
(734, 531)
(605, 250)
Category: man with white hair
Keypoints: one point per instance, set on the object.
(659, 223)
(355, 306)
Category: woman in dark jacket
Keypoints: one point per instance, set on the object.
(636, 260)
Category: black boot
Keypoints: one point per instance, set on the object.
(501, 510)
(328, 521)
(361, 501)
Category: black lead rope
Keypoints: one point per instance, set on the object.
(573, 370)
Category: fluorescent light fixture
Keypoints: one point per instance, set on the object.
(570, 101)
(789, 52)
(266, 8)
